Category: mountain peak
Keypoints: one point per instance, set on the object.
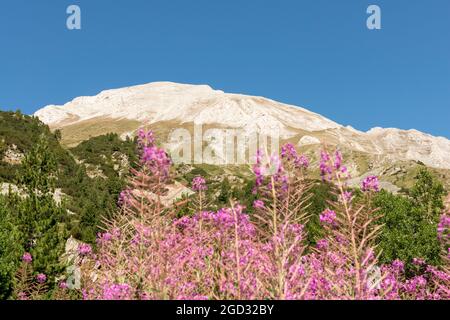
(179, 104)
(167, 101)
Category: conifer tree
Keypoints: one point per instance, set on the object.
(10, 248)
(40, 217)
(427, 195)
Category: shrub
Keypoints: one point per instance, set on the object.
(410, 223)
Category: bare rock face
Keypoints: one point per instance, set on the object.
(6, 188)
(121, 163)
(308, 140)
(178, 104)
(174, 192)
(94, 172)
(12, 155)
(71, 258)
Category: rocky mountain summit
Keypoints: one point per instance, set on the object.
(166, 106)
(163, 102)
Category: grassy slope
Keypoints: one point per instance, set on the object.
(399, 173)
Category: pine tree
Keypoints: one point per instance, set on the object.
(427, 194)
(40, 218)
(225, 190)
(10, 248)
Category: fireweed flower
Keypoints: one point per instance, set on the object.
(199, 184)
(27, 257)
(275, 165)
(325, 168)
(259, 173)
(145, 138)
(332, 166)
(103, 238)
(302, 161)
(398, 265)
(438, 274)
(328, 217)
(346, 196)
(418, 262)
(272, 169)
(157, 161)
(152, 157)
(337, 160)
(84, 249)
(124, 197)
(322, 244)
(414, 286)
(41, 278)
(444, 227)
(22, 296)
(258, 204)
(116, 292)
(370, 183)
(288, 152)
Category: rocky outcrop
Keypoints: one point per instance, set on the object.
(7, 188)
(12, 155)
(172, 193)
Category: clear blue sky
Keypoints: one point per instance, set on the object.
(314, 53)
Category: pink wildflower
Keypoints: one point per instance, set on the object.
(328, 217)
(84, 249)
(258, 204)
(199, 184)
(322, 244)
(63, 285)
(444, 227)
(370, 183)
(325, 168)
(288, 151)
(41, 278)
(398, 265)
(27, 257)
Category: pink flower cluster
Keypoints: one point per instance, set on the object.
(444, 228)
(443, 231)
(274, 171)
(370, 183)
(116, 292)
(269, 170)
(124, 197)
(27, 258)
(41, 278)
(84, 249)
(289, 153)
(328, 217)
(145, 138)
(227, 254)
(153, 157)
(332, 167)
(258, 204)
(157, 160)
(199, 184)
